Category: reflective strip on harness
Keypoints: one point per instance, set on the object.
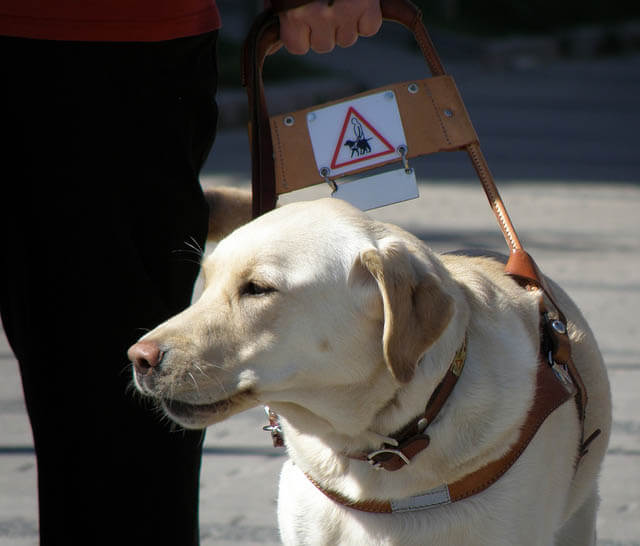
(435, 497)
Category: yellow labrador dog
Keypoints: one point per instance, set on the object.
(345, 327)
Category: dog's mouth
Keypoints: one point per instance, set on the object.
(202, 415)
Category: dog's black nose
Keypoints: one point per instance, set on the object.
(145, 355)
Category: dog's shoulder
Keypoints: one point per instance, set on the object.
(481, 271)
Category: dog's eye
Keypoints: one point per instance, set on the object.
(255, 289)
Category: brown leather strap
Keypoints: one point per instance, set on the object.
(488, 184)
(262, 36)
(523, 268)
(549, 395)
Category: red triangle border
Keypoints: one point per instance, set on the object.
(352, 110)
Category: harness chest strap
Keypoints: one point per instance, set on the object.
(557, 380)
(549, 395)
(556, 346)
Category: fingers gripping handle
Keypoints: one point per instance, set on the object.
(266, 32)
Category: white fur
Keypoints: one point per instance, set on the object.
(319, 351)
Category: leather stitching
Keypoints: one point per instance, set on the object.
(489, 187)
(281, 159)
(437, 111)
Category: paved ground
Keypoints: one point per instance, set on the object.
(560, 139)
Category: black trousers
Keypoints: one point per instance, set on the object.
(101, 147)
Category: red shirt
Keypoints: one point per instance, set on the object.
(107, 20)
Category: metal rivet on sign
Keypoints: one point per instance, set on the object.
(559, 326)
(388, 95)
(289, 121)
(402, 150)
(324, 173)
(311, 116)
(448, 112)
(413, 88)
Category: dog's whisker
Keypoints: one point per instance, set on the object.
(194, 381)
(195, 245)
(191, 261)
(200, 370)
(193, 248)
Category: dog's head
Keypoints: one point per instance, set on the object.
(312, 298)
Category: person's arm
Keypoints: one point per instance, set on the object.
(321, 25)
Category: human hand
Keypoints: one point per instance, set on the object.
(321, 27)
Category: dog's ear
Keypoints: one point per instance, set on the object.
(229, 208)
(414, 307)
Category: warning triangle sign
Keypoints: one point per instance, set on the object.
(358, 141)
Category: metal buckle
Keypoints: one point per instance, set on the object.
(274, 427)
(561, 371)
(324, 173)
(403, 151)
(277, 429)
(377, 465)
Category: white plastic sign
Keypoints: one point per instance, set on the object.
(356, 134)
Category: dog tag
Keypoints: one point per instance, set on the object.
(379, 190)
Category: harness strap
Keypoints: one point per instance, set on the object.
(549, 395)
(555, 339)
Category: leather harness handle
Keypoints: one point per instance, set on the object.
(264, 35)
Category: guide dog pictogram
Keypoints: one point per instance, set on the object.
(360, 146)
(359, 141)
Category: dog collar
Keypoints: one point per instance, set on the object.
(412, 438)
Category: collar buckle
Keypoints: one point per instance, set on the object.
(390, 454)
(391, 459)
(274, 427)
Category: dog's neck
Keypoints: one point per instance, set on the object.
(364, 417)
